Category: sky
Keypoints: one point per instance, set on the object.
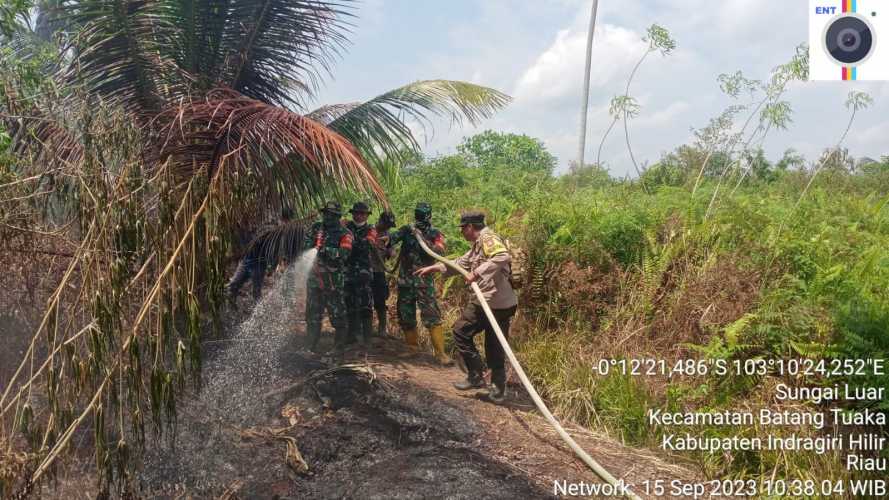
(534, 50)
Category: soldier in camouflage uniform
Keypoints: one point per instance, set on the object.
(379, 283)
(418, 292)
(324, 289)
(359, 274)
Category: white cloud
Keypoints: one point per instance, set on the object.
(535, 51)
(558, 72)
(874, 135)
(672, 113)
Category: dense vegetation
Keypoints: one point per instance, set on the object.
(137, 138)
(618, 273)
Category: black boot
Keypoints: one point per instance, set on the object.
(474, 379)
(366, 330)
(340, 339)
(353, 329)
(381, 325)
(312, 336)
(497, 391)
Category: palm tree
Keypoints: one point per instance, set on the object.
(156, 128)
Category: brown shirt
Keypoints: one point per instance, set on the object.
(489, 260)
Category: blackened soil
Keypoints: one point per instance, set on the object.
(399, 442)
(362, 436)
(360, 439)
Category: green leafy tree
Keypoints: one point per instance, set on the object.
(772, 112)
(589, 175)
(162, 126)
(493, 150)
(625, 106)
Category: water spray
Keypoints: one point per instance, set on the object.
(583, 455)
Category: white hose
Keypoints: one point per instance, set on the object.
(583, 455)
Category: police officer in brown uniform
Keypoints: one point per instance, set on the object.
(488, 262)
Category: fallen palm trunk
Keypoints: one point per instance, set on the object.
(583, 455)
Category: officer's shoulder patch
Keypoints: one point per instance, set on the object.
(492, 245)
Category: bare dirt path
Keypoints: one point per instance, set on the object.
(513, 433)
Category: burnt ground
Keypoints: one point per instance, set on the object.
(379, 424)
(383, 426)
(271, 421)
(361, 432)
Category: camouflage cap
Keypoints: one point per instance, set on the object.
(360, 207)
(472, 217)
(423, 208)
(333, 207)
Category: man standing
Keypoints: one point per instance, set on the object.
(488, 262)
(326, 278)
(359, 274)
(254, 263)
(418, 292)
(379, 283)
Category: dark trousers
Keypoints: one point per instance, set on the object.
(472, 321)
(380, 290)
(248, 268)
(359, 303)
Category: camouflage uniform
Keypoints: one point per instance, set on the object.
(326, 279)
(358, 277)
(415, 292)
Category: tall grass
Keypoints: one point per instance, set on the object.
(617, 273)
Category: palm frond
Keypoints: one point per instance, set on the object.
(287, 156)
(199, 48)
(120, 50)
(283, 242)
(275, 48)
(379, 127)
(330, 112)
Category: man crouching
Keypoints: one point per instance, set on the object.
(488, 263)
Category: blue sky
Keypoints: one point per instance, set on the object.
(534, 51)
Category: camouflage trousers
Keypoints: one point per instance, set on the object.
(317, 301)
(417, 293)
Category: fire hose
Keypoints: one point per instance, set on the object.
(583, 455)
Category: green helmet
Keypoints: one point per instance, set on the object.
(332, 207)
(423, 211)
(360, 207)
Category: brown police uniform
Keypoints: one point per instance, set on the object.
(489, 259)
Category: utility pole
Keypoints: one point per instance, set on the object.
(586, 85)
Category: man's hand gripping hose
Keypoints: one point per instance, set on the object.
(583, 455)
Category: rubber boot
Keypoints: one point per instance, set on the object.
(411, 339)
(497, 391)
(474, 379)
(436, 333)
